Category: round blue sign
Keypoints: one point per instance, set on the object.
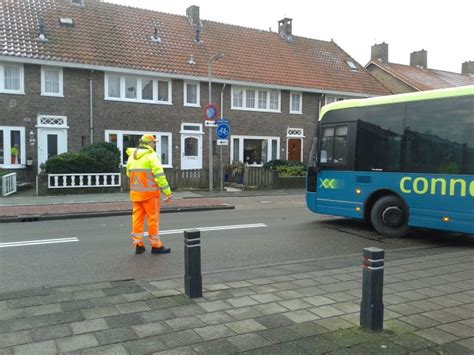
(223, 131)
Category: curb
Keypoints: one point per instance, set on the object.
(51, 217)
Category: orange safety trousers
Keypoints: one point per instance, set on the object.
(150, 209)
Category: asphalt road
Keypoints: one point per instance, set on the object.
(99, 249)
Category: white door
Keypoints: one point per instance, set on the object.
(191, 151)
(51, 142)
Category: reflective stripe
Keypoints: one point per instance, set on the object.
(164, 187)
(140, 170)
(153, 188)
(160, 174)
(137, 234)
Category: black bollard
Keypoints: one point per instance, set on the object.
(192, 264)
(371, 307)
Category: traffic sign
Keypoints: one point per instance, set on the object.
(223, 131)
(222, 142)
(210, 123)
(211, 112)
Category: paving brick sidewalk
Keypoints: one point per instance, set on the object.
(101, 208)
(307, 307)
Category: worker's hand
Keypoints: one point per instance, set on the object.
(168, 199)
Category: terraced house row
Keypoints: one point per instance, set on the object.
(73, 72)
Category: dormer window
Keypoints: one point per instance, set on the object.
(66, 22)
(351, 65)
(77, 2)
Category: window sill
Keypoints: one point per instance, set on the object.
(296, 113)
(254, 110)
(191, 105)
(12, 92)
(148, 102)
(52, 95)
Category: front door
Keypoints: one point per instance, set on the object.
(51, 142)
(191, 151)
(294, 149)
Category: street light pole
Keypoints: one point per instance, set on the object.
(214, 58)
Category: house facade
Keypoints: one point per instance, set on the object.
(75, 72)
(400, 78)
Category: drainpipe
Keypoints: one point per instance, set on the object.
(220, 147)
(91, 113)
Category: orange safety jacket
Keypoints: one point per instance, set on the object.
(146, 174)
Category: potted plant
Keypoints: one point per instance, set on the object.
(29, 161)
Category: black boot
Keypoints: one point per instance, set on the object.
(161, 250)
(139, 249)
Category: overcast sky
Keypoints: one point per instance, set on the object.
(443, 28)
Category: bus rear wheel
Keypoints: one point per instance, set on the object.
(389, 217)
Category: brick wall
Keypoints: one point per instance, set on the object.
(23, 110)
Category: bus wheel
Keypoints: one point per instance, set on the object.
(389, 217)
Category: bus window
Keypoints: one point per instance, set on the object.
(334, 145)
(440, 136)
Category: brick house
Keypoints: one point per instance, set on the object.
(400, 78)
(74, 72)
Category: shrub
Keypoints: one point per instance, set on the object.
(291, 170)
(69, 163)
(106, 155)
(273, 164)
(96, 158)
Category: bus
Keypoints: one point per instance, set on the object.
(397, 161)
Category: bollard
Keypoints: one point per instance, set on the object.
(371, 307)
(192, 264)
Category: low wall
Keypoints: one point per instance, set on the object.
(43, 189)
(289, 182)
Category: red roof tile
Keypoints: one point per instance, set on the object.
(106, 34)
(423, 78)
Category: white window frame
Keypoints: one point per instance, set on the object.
(7, 147)
(241, 146)
(300, 94)
(43, 82)
(198, 93)
(256, 90)
(158, 135)
(21, 91)
(139, 80)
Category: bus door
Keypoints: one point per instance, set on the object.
(335, 179)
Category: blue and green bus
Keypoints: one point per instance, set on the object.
(398, 161)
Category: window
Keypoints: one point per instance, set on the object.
(51, 81)
(137, 89)
(262, 100)
(130, 139)
(237, 98)
(11, 79)
(163, 91)
(191, 94)
(254, 150)
(255, 100)
(130, 88)
(379, 137)
(296, 102)
(334, 145)
(439, 136)
(250, 97)
(12, 146)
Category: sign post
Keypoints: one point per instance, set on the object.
(210, 113)
(223, 134)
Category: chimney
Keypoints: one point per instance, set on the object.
(284, 28)
(379, 52)
(192, 13)
(419, 59)
(468, 68)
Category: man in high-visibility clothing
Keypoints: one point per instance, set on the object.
(146, 179)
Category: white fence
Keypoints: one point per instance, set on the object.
(8, 184)
(69, 181)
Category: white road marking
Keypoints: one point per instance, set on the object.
(38, 242)
(213, 228)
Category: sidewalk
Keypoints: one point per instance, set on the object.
(26, 206)
(304, 307)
